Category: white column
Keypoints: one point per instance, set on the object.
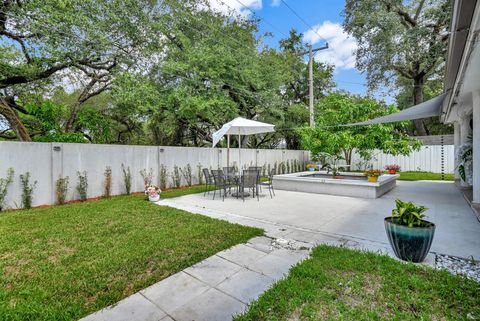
(456, 142)
(476, 147)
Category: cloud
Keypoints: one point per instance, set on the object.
(341, 46)
(226, 6)
(276, 3)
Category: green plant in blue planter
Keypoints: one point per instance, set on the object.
(408, 233)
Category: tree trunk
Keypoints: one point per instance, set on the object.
(348, 158)
(14, 121)
(417, 99)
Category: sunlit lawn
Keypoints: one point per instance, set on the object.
(342, 284)
(416, 176)
(64, 262)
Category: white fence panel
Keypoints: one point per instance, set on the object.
(430, 158)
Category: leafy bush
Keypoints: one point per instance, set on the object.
(162, 176)
(176, 178)
(127, 179)
(187, 174)
(200, 174)
(409, 214)
(107, 184)
(27, 190)
(147, 177)
(61, 189)
(82, 185)
(4, 182)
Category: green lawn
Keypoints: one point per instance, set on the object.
(341, 284)
(417, 176)
(64, 262)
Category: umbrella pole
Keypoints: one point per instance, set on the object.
(239, 157)
(228, 150)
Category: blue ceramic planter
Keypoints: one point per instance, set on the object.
(410, 243)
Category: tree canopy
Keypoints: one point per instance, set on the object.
(400, 39)
(330, 136)
(143, 72)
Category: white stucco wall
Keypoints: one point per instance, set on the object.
(46, 165)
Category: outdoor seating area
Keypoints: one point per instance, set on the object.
(231, 182)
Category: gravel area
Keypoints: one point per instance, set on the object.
(467, 267)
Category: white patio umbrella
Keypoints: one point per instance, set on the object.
(240, 127)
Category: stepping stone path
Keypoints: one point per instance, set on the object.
(215, 289)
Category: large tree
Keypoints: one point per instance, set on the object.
(45, 41)
(398, 38)
(330, 136)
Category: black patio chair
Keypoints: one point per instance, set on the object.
(208, 181)
(259, 169)
(269, 183)
(229, 173)
(220, 183)
(249, 181)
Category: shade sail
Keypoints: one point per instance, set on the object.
(242, 126)
(429, 108)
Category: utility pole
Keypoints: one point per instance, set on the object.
(310, 79)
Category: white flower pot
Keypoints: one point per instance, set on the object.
(154, 198)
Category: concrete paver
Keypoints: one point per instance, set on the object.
(212, 306)
(135, 307)
(246, 285)
(174, 291)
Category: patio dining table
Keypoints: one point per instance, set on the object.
(237, 178)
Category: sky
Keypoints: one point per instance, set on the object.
(322, 22)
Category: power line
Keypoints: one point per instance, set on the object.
(256, 15)
(301, 19)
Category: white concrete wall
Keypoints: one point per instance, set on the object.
(46, 164)
(427, 159)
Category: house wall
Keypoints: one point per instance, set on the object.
(48, 161)
(476, 148)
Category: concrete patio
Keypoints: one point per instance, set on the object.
(457, 233)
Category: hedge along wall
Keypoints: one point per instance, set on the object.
(48, 161)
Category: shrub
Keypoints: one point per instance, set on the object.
(61, 189)
(187, 174)
(288, 166)
(127, 179)
(107, 184)
(4, 182)
(82, 185)
(275, 168)
(162, 176)
(269, 168)
(200, 174)
(147, 177)
(176, 178)
(27, 190)
(409, 214)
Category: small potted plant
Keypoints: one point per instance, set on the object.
(392, 169)
(311, 167)
(153, 193)
(373, 174)
(409, 234)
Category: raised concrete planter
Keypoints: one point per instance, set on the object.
(308, 183)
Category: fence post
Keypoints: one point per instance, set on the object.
(56, 159)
